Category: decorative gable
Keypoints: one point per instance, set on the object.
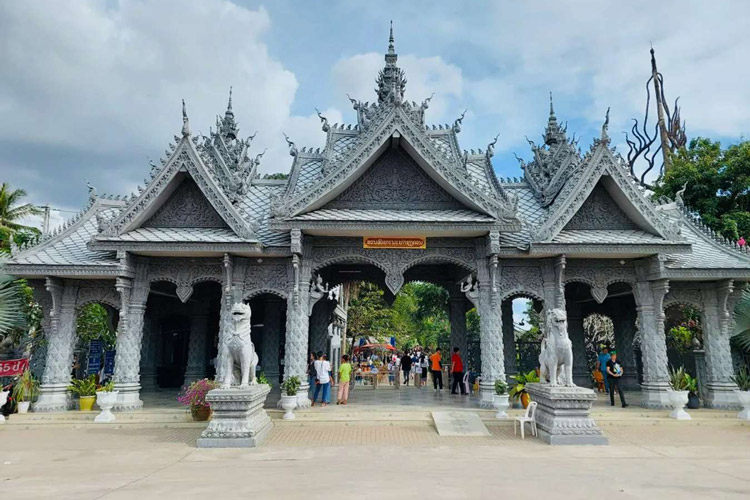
(396, 182)
(186, 207)
(600, 211)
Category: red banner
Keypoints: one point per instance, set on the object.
(13, 367)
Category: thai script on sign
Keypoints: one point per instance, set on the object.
(411, 242)
(13, 367)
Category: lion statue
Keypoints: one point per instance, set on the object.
(556, 358)
(238, 349)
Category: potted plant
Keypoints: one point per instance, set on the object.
(289, 396)
(194, 396)
(742, 379)
(262, 379)
(25, 390)
(518, 391)
(106, 397)
(501, 399)
(691, 384)
(678, 395)
(86, 390)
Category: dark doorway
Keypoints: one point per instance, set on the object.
(174, 348)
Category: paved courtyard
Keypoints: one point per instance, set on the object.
(644, 460)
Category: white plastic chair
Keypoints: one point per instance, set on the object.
(467, 385)
(528, 417)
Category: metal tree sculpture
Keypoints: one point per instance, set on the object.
(669, 129)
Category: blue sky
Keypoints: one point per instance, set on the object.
(90, 90)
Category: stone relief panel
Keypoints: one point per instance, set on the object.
(103, 292)
(521, 280)
(186, 207)
(185, 273)
(395, 181)
(600, 211)
(683, 296)
(269, 276)
(599, 275)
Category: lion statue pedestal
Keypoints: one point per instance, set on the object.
(239, 420)
(562, 413)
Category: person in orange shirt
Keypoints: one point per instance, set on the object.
(437, 374)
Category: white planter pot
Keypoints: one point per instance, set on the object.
(501, 404)
(23, 406)
(106, 400)
(678, 400)
(3, 400)
(288, 403)
(744, 399)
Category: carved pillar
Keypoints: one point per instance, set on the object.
(650, 307)
(717, 329)
(297, 319)
(272, 330)
(197, 347)
(53, 393)
(490, 332)
(457, 314)
(133, 296)
(509, 337)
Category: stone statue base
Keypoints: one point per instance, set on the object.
(239, 420)
(562, 414)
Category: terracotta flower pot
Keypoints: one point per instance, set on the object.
(86, 403)
(200, 413)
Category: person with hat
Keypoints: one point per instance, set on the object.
(614, 373)
(601, 365)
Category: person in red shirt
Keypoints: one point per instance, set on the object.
(457, 372)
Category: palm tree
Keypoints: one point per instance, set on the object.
(742, 321)
(11, 213)
(11, 304)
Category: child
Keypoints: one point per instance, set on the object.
(345, 373)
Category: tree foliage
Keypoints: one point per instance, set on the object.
(718, 184)
(94, 323)
(11, 215)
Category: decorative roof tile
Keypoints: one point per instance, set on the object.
(342, 214)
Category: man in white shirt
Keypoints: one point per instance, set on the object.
(322, 379)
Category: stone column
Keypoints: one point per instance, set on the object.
(53, 393)
(149, 351)
(271, 336)
(650, 307)
(296, 349)
(457, 314)
(509, 337)
(717, 331)
(490, 331)
(134, 294)
(197, 347)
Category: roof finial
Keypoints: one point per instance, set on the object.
(551, 106)
(391, 46)
(229, 104)
(605, 128)
(185, 122)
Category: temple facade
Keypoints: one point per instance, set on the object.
(389, 199)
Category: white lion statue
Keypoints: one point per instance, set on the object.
(238, 348)
(556, 358)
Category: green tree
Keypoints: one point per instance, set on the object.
(368, 314)
(94, 323)
(718, 184)
(276, 176)
(11, 213)
(11, 306)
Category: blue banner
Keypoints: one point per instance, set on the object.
(96, 347)
(109, 363)
(393, 341)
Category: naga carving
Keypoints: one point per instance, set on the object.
(239, 349)
(556, 358)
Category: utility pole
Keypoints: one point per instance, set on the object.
(663, 135)
(45, 223)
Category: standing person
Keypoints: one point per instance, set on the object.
(435, 369)
(345, 375)
(311, 374)
(396, 371)
(417, 373)
(425, 367)
(323, 373)
(406, 368)
(601, 365)
(457, 372)
(614, 373)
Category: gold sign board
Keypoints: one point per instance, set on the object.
(410, 242)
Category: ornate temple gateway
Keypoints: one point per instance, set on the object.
(389, 199)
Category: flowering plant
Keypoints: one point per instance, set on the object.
(195, 394)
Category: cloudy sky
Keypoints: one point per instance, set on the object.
(91, 89)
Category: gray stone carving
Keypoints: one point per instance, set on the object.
(238, 349)
(562, 415)
(187, 207)
(556, 358)
(238, 418)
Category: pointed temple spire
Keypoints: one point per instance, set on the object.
(553, 134)
(228, 127)
(605, 130)
(391, 81)
(185, 122)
